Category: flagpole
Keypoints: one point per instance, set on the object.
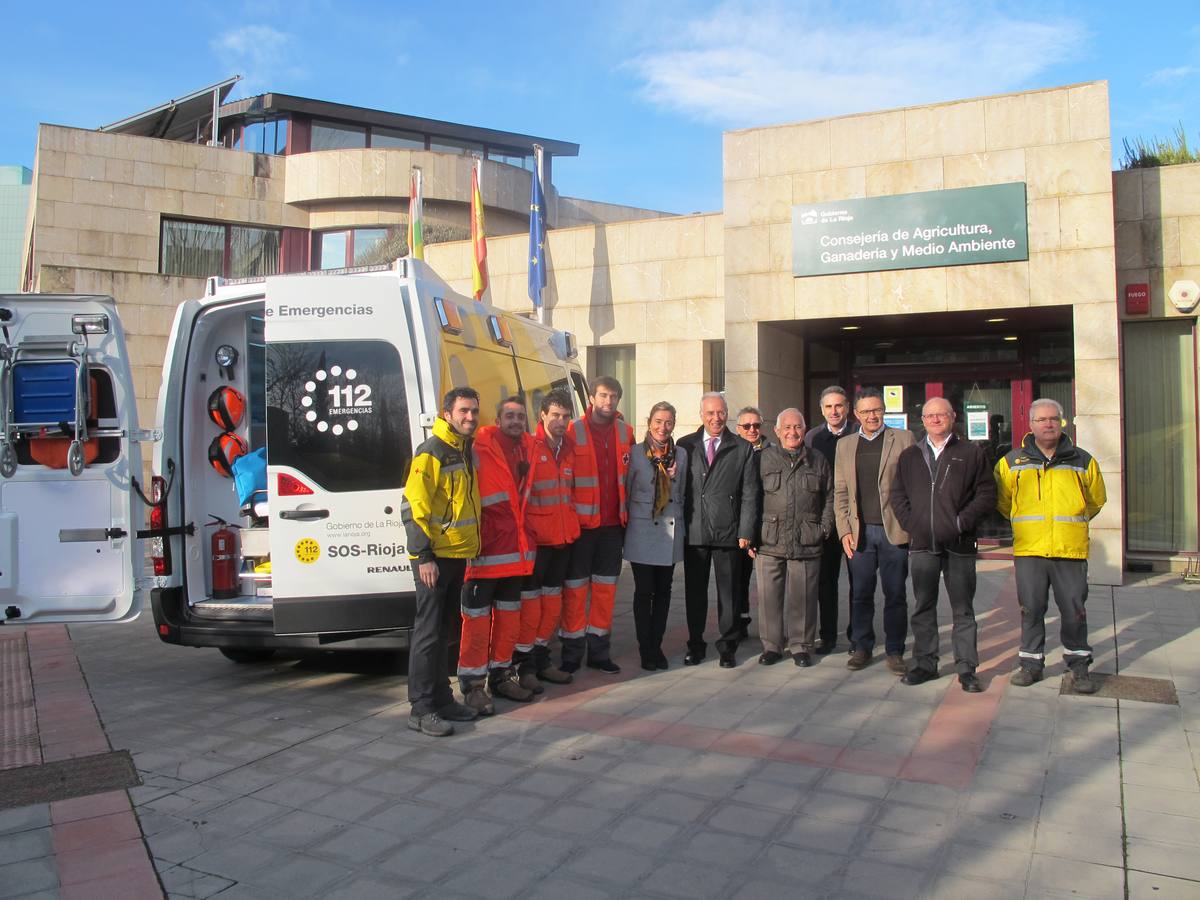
(416, 216)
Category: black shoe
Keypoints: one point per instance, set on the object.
(1025, 676)
(568, 667)
(970, 683)
(693, 658)
(802, 660)
(431, 724)
(1081, 680)
(607, 666)
(825, 647)
(727, 661)
(769, 658)
(918, 676)
(458, 712)
(661, 662)
(649, 665)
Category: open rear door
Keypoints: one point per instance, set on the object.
(68, 449)
(339, 374)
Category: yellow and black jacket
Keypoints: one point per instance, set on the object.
(441, 505)
(1049, 501)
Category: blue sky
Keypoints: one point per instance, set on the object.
(645, 89)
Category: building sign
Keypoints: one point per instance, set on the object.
(911, 231)
(1137, 299)
(977, 421)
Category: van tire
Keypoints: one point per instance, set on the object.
(247, 655)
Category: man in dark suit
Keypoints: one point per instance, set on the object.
(721, 510)
(838, 424)
(872, 537)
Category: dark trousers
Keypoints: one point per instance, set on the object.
(927, 569)
(878, 559)
(549, 571)
(743, 568)
(651, 604)
(697, 561)
(1036, 575)
(832, 558)
(437, 617)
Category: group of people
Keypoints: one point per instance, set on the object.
(518, 538)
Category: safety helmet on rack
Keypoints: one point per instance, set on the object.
(225, 448)
(226, 406)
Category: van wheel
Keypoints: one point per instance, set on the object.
(245, 655)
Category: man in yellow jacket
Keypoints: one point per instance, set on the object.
(1050, 489)
(440, 512)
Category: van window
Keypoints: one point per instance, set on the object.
(337, 411)
(539, 378)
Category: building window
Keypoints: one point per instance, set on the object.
(509, 157)
(201, 249)
(268, 136)
(450, 145)
(714, 366)
(337, 136)
(1160, 437)
(358, 247)
(387, 137)
(621, 364)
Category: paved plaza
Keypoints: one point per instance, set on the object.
(300, 778)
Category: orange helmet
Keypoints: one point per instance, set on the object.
(225, 407)
(224, 449)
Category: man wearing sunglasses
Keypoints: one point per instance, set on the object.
(873, 539)
(750, 430)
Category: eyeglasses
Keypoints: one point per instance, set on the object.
(1045, 420)
(747, 426)
(936, 415)
(877, 411)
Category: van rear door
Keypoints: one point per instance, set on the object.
(69, 550)
(341, 400)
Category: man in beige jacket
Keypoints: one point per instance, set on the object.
(876, 545)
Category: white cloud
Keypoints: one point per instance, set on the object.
(260, 54)
(1170, 76)
(746, 64)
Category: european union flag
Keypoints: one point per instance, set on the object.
(537, 235)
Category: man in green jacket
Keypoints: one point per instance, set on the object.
(440, 512)
(1050, 489)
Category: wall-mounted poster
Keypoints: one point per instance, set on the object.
(896, 420)
(893, 398)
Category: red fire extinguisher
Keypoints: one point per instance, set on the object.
(224, 552)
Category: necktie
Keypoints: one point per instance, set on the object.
(712, 450)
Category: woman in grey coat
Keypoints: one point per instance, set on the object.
(654, 486)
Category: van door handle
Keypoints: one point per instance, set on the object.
(303, 515)
(89, 535)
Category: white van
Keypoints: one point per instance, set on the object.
(342, 375)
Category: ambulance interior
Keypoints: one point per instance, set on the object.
(227, 351)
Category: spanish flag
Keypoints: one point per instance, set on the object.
(416, 217)
(479, 272)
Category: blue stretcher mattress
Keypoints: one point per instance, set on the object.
(44, 392)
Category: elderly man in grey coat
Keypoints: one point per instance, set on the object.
(654, 486)
(797, 517)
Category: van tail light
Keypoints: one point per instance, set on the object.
(160, 547)
(291, 487)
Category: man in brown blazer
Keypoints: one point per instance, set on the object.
(876, 545)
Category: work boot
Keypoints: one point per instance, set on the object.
(1025, 676)
(458, 712)
(431, 724)
(477, 698)
(1082, 680)
(508, 688)
(895, 664)
(530, 682)
(555, 676)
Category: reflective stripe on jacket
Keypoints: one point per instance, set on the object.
(587, 476)
(1049, 501)
(549, 507)
(440, 509)
(506, 546)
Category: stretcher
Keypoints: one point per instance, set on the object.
(46, 395)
